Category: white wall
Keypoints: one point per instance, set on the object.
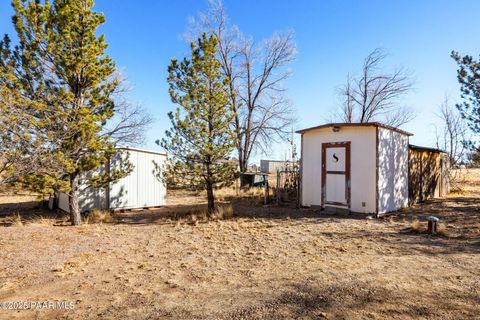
(141, 188)
(89, 198)
(392, 170)
(363, 165)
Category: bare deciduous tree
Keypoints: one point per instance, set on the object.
(256, 73)
(452, 136)
(375, 94)
(127, 126)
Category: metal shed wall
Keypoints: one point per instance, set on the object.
(271, 167)
(141, 188)
(392, 170)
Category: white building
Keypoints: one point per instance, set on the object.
(140, 189)
(358, 167)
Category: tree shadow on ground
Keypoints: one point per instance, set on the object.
(347, 299)
(28, 211)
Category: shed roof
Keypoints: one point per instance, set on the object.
(356, 124)
(142, 150)
(258, 173)
(425, 149)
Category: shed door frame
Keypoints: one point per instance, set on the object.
(346, 145)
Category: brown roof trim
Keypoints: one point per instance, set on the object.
(356, 124)
(425, 149)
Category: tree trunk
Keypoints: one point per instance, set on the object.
(73, 204)
(211, 200)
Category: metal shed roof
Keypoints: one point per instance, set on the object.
(142, 150)
(356, 124)
(425, 149)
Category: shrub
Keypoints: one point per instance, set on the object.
(42, 221)
(16, 220)
(442, 229)
(100, 216)
(415, 225)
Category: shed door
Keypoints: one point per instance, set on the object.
(336, 174)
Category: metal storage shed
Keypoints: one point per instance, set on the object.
(140, 189)
(359, 167)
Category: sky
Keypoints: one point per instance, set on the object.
(332, 38)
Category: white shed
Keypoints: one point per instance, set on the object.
(358, 167)
(140, 189)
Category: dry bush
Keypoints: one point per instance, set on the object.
(458, 181)
(465, 182)
(74, 266)
(415, 225)
(255, 192)
(66, 267)
(200, 213)
(42, 221)
(100, 216)
(442, 229)
(16, 220)
(232, 193)
(225, 193)
(224, 212)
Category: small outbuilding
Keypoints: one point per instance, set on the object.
(272, 167)
(142, 188)
(357, 167)
(428, 173)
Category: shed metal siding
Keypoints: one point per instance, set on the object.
(123, 193)
(392, 170)
(272, 166)
(141, 188)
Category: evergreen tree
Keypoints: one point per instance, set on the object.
(201, 139)
(468, 76)
(66, 83)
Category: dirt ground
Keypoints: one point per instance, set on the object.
(263, 263)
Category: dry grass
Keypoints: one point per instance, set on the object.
(15, 220)
(200, 213)
(226, 194)
(442, 229)
(224, 212)
(466, 182)
(415, 225)
(100, 216)
(74, 265)
(42, 221)
(309, 266)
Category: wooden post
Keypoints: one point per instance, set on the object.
(278, 187)
(265, 195)
(236, 186)
(298, 189)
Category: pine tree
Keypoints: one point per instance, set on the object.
(201, 139)
(468, 76)
(66, 82)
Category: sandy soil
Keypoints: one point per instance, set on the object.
(264, 263)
